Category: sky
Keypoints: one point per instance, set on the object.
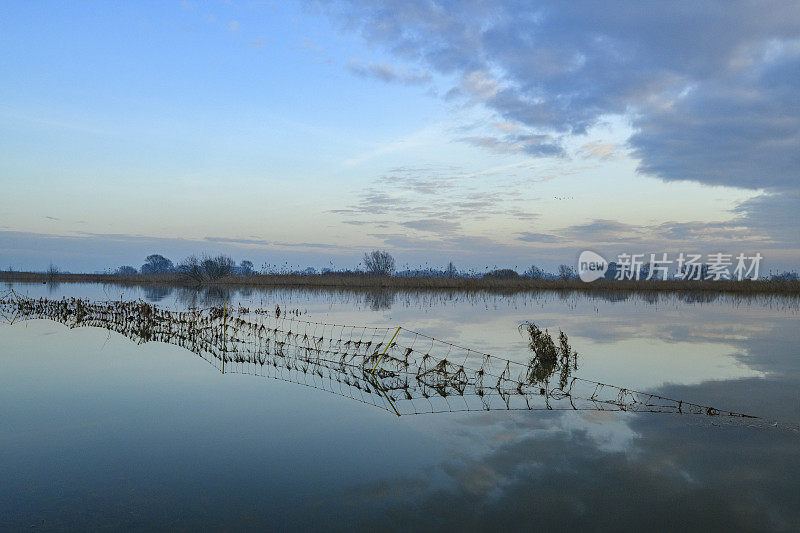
(491, 134)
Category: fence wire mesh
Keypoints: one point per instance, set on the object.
(393, 368)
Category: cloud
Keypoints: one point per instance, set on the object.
(417, 184)
(479, 85)
(307, 245)
(742, 133)
(686, 236)
(373, 223)
(604, 230)
(233, 25)
(388, 74)
(438, 199)
(257, 44)
(434, 225)
(711, 91)
(773, 215)
(534, 145)
(87, 252)
(238, 241)
(522, 474)
(475, 247)
(598, 150)
(527, 236)
(380, 203)
(507, 127)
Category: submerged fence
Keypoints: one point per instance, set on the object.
(399, 370)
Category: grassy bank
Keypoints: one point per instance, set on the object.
(364, 281)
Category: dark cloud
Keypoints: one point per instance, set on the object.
(711, 88)
(777, 216)
(746, 135)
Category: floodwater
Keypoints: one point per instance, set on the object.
(97, 431)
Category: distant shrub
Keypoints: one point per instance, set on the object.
(785, 276)
(246, 268)
(157, 264)
(503, 273)
(126, 271)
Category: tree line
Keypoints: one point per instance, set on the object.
(376, 263)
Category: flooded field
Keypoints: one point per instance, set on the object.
(116, 424)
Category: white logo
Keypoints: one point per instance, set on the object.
(591, 266)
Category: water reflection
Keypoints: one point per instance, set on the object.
(204, 297)
(670, 475)
(53, 287)
(380, 300)
(108, 434)
(156, 293)
(387, 299)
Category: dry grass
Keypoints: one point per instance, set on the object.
(365, 281)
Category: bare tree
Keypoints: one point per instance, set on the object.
(191, 270)
(379, 262)
(52, 272)
(206, 268)
(218, 267)
(566, 272)
(534, 272)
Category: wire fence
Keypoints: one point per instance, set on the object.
(393, 368)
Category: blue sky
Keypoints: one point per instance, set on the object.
(488, 133)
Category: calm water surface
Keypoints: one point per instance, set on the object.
(97, 431)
